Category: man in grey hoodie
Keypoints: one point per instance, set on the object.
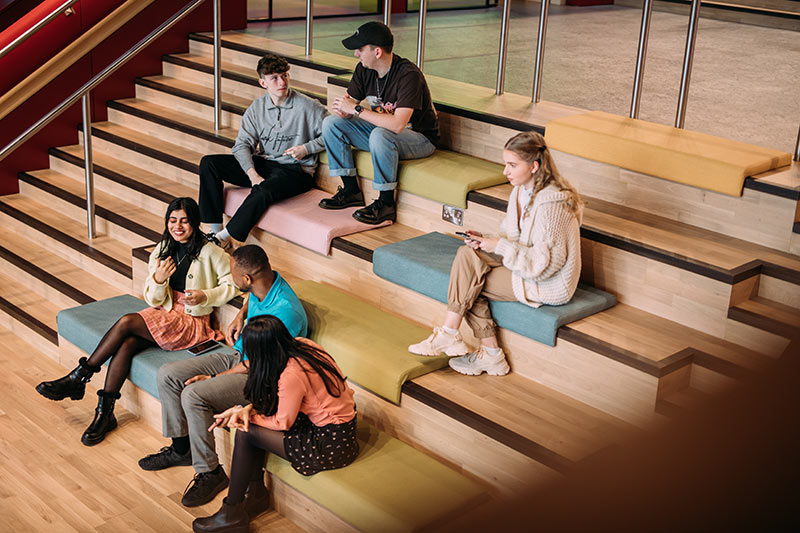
(275, 153)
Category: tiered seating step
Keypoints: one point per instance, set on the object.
(423, 264)
(675, 154)
(768, 315)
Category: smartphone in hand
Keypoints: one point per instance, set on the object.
(203, 347)
(465, 236)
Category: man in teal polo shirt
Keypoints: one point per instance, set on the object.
(193, 390)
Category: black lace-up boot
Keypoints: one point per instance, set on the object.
(73, 385)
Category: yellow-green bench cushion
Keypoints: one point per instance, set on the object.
(390, 486)
(688, 157)
(445, 177)
(369, 345)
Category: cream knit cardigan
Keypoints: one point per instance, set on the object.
(543, 251)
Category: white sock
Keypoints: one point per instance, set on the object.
(223, 235)
(215, 228)
(493, 351)
(450, 331)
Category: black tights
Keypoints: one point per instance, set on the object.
(121, 343)
(249, 454)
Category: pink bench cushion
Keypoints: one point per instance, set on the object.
(301, 221)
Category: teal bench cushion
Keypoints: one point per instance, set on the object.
(85, 325)
(423, 264)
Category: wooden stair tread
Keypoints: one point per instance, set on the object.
(787, 177)
(375, 238)
(30, 302)
(102, 199)
(55, 265)
(207, 93)
(676, 238)
(207, 61)
(657, 338)
(773, 310)
(549, 418)
(148, 141)
(117, 166)
(68, 226)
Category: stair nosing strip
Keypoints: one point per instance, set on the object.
(29, 321)
(194, 36)
(719, 365)
(102, 212)
(487, 427)
(771, 189)
(234, 76)
(67, 240)
(163, 87)
(357, 250)
(116, 177)
(146, 150)
(50, 280)
(780, 272)
(745, 316)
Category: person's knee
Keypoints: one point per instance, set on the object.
(331, 124)
(166, 377)
(382, 140)
(466, 253)
(128, 323)
(192, 398)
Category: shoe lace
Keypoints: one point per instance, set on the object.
(341, 192)
(198, 480)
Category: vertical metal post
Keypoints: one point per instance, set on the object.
(217, 67)
(540, 40)
(269, 10)
(796, 156)
(641, 56)
(309, 24)
(501, 61)
(688, 57)
(88, 164)
(423, 11)
(387, 12)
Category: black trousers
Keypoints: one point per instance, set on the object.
(280, 182)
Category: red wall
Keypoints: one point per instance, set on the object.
(30, 55)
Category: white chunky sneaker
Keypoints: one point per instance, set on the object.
(474, 364)
(440, 342)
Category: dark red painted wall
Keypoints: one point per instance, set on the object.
(49, 41)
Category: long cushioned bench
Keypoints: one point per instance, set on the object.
(445, 177)
(300, 220)
(391, 486)
(675, 154)
(423, 264)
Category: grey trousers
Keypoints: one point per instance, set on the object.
(190, 410)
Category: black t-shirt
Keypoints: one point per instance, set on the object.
(403, 86)
(177, 281)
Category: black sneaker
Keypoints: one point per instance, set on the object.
(343, 198)
(166, 457)
(376, 212)
(204, 487)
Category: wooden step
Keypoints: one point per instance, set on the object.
(28, 314)
(237, 80)
(104, 257)
(141, 188)
(113, 217)
(681, 402)
(768, 315)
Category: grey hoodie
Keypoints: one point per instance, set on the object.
(268, 130)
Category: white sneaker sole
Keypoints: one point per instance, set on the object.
(496, 370)
(450, 352)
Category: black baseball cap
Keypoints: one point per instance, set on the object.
(374, 33)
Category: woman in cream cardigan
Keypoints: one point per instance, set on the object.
(535, 259)
(187, 277)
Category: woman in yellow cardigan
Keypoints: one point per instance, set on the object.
(187, 277)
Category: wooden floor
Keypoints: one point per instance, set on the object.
(49, 481)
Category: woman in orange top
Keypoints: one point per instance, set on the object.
(301, 409)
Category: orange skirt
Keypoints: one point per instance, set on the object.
(175, 330)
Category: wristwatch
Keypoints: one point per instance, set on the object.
(358, 109)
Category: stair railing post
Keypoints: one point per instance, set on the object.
(796, 155)
(423, 11)
(641, 56)
(501, 60)
(387, 12)
(88, 164)
(688, 57)
(217, 66)
(309, 25)
(540, 41)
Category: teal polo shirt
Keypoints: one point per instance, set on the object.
(281, 302)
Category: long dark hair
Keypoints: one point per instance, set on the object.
(269, 345)
(196, 241)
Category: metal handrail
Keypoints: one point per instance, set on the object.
(501, 60)
(387, 12)
(641, 56)
(540, 42)
(796, 155)
(36, 27)
(688, 58)
(423, 12)
(85, 89)
(309, 26)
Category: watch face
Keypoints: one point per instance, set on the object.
(359, 109)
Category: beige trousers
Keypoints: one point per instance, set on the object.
(476, 278)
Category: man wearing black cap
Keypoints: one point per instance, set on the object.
(388, 112)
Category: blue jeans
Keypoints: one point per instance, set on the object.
(385, 147)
